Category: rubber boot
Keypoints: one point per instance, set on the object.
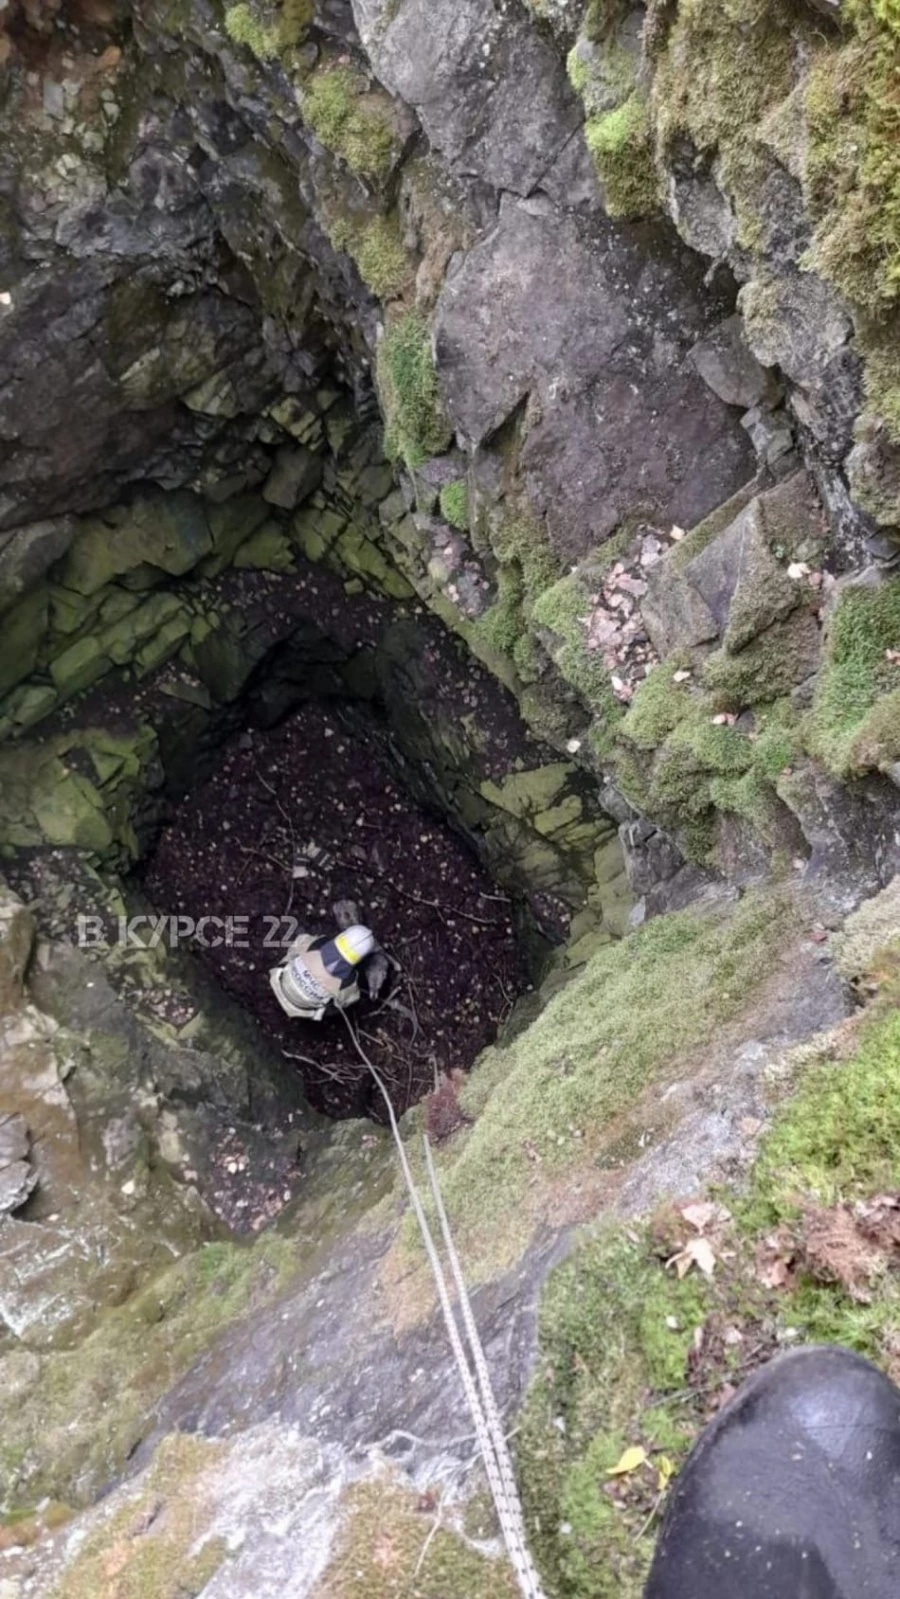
(792, 1492)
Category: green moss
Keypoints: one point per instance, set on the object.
(766, 669)
(838, 1137)
(527, 568)
(244, 26)
(852, 172)
(635, 1015)
(415, 424)
(379, 253)
(454, 501)
(688, 757)
(721, 68)
(608, 1354)
(153, 1547)
(563, 610)
(602, 18)
(777, 744)
(357, 125)
(853, 724)
(294, 20)
(878, 341)
(75, 1425)
(621, 145)
(615, 1325)
(753, 798)
(386, 1546)
(658, 706)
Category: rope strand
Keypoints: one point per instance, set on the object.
(480, 1399)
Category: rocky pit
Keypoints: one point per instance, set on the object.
(309, 816)
(449, 462)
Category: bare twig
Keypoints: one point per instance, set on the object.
(338, 1074)
(291, 835)
(654, 1512)
(429, 904)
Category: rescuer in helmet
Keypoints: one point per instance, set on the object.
(321, 975)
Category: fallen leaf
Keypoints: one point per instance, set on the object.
(836, 1250)
(704, 1213)
(696, 1252)
(774, 1259)
(629, 1462)
(665, 1469)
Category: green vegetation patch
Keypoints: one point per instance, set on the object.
(527, 568)
(454, 502)
(621, 144)
(389, 1546)
(378, 250)
(77, 1417)
(562, 610)
(356, 124)
(149, 1548)
(723, 66)
(415, 423)
(855, 720)
(634, 1359)
(244, 26)
(636, 1014)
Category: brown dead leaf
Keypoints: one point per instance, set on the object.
(836, 1250)
(703, 1214)
(775, 1256)
(696, 1252)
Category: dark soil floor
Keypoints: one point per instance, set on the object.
(291, 822)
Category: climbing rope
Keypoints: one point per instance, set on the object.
(477, 1389)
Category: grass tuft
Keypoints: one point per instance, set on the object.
(855, 720)
(415, 423)
(357, 125)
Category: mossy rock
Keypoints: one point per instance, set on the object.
(268, 550)
(525, 794)
(415, 423)
(376, 245)
(79, 666)
(854, 723)
(621, 144)
(123, 638)
(381, 1528)
(24, 629)
(168, 534)
(358, 124)
(634, 1016)
(617, 1324)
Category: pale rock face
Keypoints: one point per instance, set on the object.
(597, 335)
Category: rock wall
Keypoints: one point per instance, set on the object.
(227, 233)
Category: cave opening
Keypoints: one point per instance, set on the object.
(305, 825)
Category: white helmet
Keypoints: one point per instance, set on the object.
(354, 943)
